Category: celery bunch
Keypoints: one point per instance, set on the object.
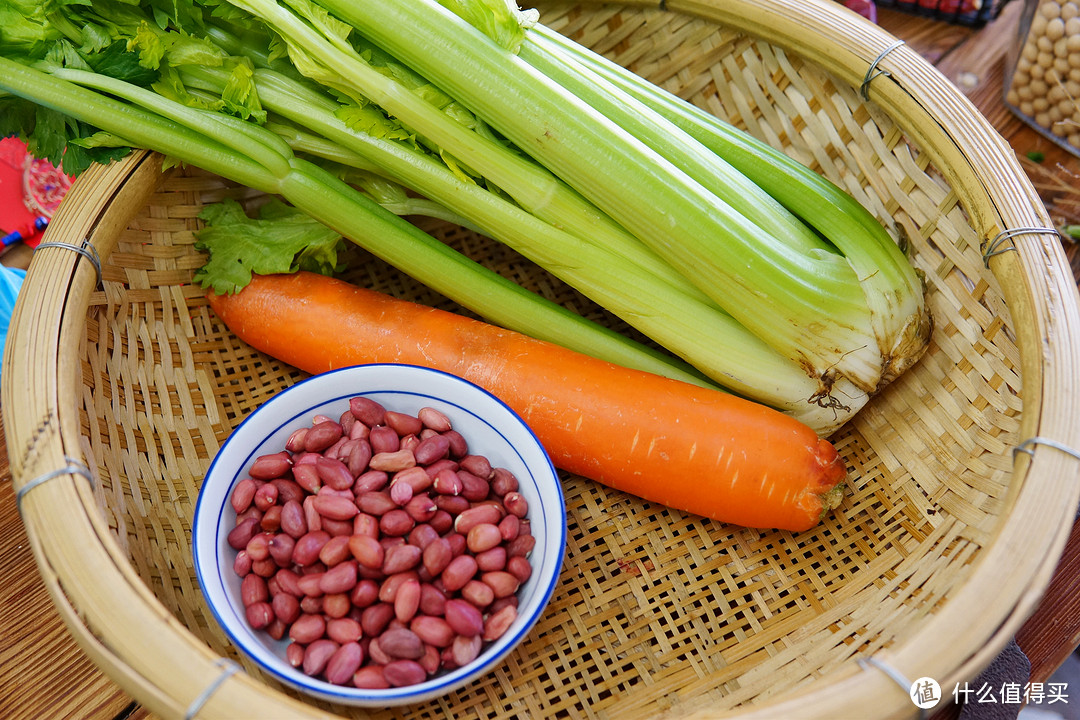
(752, 272)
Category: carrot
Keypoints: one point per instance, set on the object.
(697, 450)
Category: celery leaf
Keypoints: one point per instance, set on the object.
(281, 240)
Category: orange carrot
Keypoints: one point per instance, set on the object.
(670, 442)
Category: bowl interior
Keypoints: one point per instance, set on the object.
(492, 430)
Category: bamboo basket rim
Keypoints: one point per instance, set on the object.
(99, 595)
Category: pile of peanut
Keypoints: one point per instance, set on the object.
(1046, 80)
(381, 546)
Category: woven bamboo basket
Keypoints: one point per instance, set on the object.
(963, 481)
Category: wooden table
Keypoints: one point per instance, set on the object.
(43, 673)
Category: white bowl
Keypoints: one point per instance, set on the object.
(491, 428)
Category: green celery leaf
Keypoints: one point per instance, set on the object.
(281, 240)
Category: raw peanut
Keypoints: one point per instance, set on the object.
(287, 490)
(478, 465)
(475, 515)
(369, 481)
(252, 513)
(447, 482)
(519, 567)
(430, 449)
(294, 653)
(335, 507)
(286, 608)
(375, 618)
(442, 521)
(432, 630)
(384, 440)
(453, 504)
(359, 431)
(421, 508)
(503, 583)
(441, 464)
(242, 495)
(401, 643)
(521, 546)
(281, 549)
(271, 519)
(503, 481)
(365, 594)
(337, 528)
(242, 563)
(409, 442)
(434, 419)
(430, 660)
(376, 653)
(466, 649)
(457, 542)
(491, 559)
(460, 571)
(483, 536)
(344, 663)
(416, 477)
(304, 458)
(265, 496)
(307, 477)
(309, 584)
(268, 467)
(390, 586)
(320, 418)
(478, 593)
(322, 435)
(499, 622)
(437, 556)
(311, 605)
(366, 410)
(367, 550)
(346, 420)
(336, 550)
(293, 520)
(334, 473)
(258, 547)
(422, 535)
(259, 614)
(464, 617)
(311, 515)
(396, 523)
(359, 457)
(392, 462)
(401, 558)
(276, 629)
(339, 579)
(402, 423)
(459, 447)
(432, 599)
(253, 590)
(509, 527)
(288, 582)
(307, 628)
(334, 451)
(295, 443)
(336, 605)
(401, 673)
(264, 568)
(364, 524)
(401, 492)
(344, 630)
(375, 502)
(370, 677)
(473, 488)
(525, 528)
(407, 600)
(516, 504)
(317, 654)
(308, 546)
(240, 535)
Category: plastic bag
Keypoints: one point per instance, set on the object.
(11, 280)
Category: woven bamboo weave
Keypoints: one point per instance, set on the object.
(937, 554)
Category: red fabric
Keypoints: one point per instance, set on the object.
(21, 175)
